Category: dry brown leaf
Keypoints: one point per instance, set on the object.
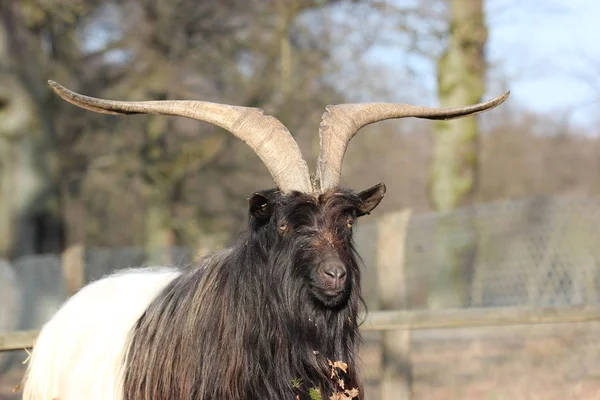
(341, 365)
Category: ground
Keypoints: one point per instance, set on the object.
(549, 362)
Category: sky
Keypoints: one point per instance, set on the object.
(547, 52)
(551, 52)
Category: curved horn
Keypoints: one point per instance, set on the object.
(266, 135)
(341, 122)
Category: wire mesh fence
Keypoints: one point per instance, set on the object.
(538, 252)
(532, 253)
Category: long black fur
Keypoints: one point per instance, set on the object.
(252, 321)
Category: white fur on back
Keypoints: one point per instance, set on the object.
(80, 351)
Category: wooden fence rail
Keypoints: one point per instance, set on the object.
(416, 320)
(463, 318)
(17, 340)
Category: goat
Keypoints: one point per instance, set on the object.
(261, 319)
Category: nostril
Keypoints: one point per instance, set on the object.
(330, 273)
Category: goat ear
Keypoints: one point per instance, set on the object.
(260, 206)
(370, 198)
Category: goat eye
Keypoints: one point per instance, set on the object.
(349, 224)
(283, 226)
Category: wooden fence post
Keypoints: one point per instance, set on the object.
(73, 268)
(396, 369)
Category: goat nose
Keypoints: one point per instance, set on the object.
(334, 274)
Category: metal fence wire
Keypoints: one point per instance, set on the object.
(537, 252)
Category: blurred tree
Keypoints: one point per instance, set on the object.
(164, 181)
(461, 81)
(30, 215)
(186, 178)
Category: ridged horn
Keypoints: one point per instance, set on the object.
(341, 122)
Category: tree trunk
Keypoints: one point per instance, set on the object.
(30, 220)
(461, 81)
(160, 236)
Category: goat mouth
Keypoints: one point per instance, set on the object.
(332, 292)
(332, 298)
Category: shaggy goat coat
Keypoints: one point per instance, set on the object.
(252, 322)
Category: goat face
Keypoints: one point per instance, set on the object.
(316, 233)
